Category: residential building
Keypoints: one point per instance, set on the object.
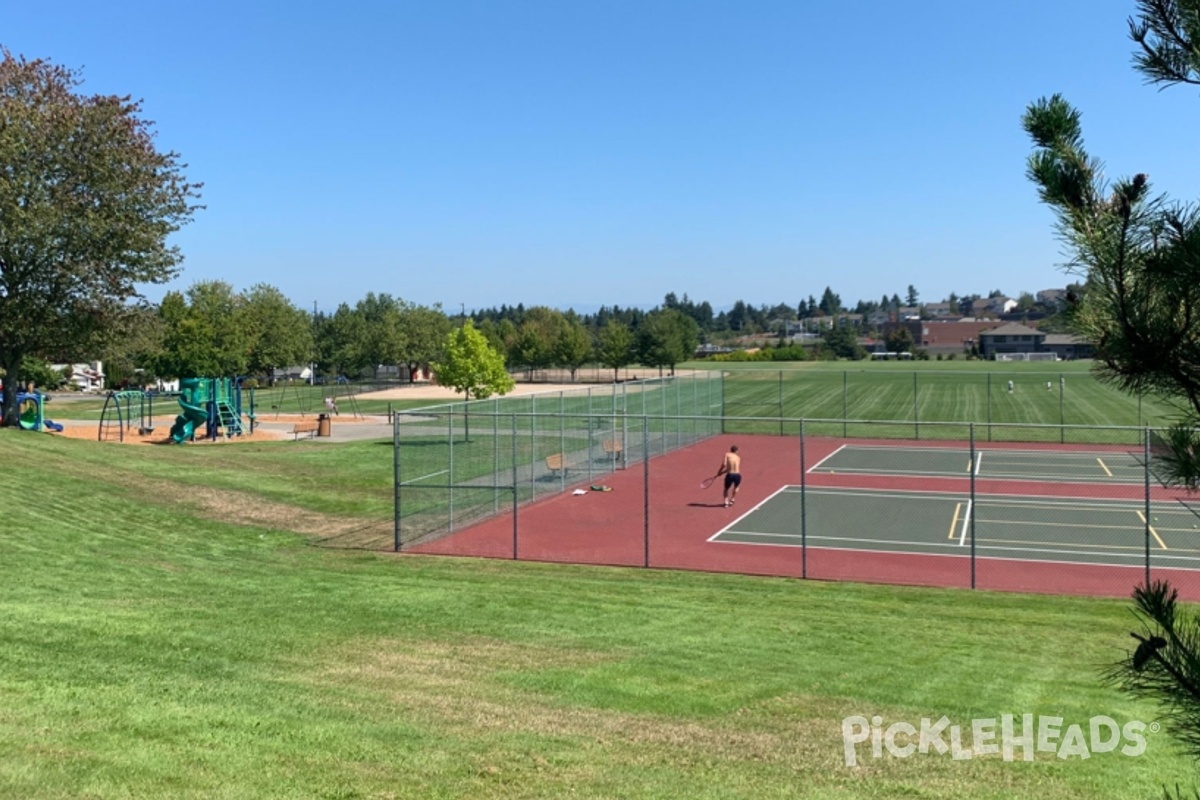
(84, 377)
(1068, 346)
(1011, 337)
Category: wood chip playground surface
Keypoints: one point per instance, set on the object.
(1064, 519)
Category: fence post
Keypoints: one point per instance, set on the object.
(974, 510)
(916, 421)
(450, 465)
(645, 491)
(396, 482)
(989, 405)
(515, 483)
(496, 456)
(1146, 514)
(562, 439)
(1062, 420)
(845, 406)
(781, 403)
(803, 508)
(720, 401)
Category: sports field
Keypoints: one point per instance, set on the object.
(1042, 394)
(169, 631)
(1073, 519)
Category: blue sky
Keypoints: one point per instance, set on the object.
(588, 153)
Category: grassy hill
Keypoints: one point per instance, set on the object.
(169, 631)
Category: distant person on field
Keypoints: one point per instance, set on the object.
(330, 405)
(1049, 386)
(1010, 387)
(731, 468)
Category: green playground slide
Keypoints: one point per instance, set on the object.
(193, 399)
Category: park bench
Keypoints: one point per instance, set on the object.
(304, 427)
(556, 463)
(613, 448)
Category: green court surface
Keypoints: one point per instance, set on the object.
(950, 462)
(1056, 529)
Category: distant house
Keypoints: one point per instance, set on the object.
(1001, 304)
(940, 310)
(1010, 338)
(1067, 346)
(296, 373)
(84, 377)
(877, 318)
(981, 307)
(1053, 298)
(944, 336)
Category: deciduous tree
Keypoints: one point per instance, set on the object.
(87, 204)
(278, 333)
(573, 347)
(615, 346)
(424, 329)
(204, 337)
(666, 337)
(471, 367)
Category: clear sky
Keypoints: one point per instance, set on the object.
(574, 153)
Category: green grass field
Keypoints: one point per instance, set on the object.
(931, 392)
(168, 631)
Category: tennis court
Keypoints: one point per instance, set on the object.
(1059, 466)
(1037, 517)
(1056, 529)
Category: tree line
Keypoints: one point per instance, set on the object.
(210, 330)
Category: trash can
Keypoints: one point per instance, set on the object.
(324, 425)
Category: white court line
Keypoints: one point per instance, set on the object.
(978, 461)
(995, 451)
(950, 555)
(993, 499)
(826, 458)
(962, 540)
(423, 477)
(765, 500)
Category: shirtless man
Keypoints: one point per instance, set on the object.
(731, 468)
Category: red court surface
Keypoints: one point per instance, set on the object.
(611, 527)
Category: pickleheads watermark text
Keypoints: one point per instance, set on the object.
(1007, 736)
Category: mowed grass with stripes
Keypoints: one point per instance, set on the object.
(169, 631)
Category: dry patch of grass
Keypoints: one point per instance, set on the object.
(460, 686)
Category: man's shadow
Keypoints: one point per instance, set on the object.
(707, 505)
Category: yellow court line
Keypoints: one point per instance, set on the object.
(1153, 532)
(1103, 467)
(954, 522)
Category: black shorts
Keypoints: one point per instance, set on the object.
(733, 479)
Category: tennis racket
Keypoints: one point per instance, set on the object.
(707, 482)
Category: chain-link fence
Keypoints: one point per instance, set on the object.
(615, 478)
(1040, 397)
(463, 462)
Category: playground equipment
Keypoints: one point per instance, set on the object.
(31, 411)
(122, 408)
(214, 402)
